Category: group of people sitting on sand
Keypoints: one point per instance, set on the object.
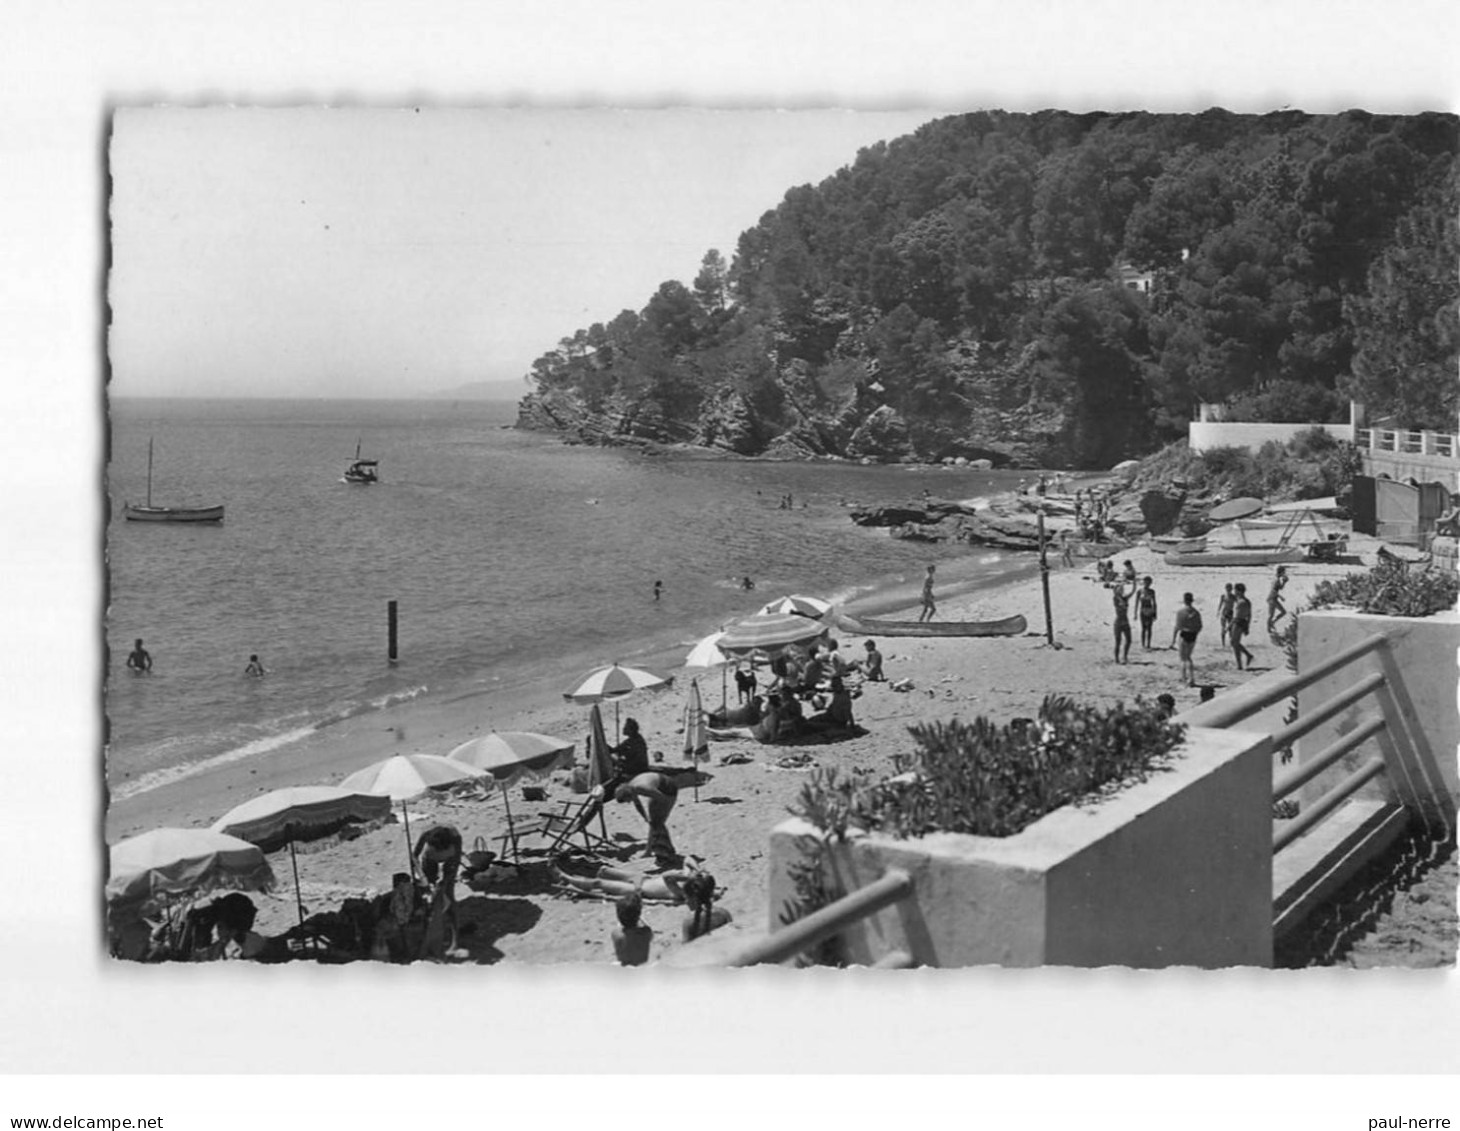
(823, 677)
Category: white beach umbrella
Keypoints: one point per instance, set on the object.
(706, 653)
(799, 604)
(183, 862)
(404, 776)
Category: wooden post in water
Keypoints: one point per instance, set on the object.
(391, 621)
(1044, 579)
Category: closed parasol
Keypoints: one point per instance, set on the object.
(297, 813)
(183, 862)
(404, 776)
(800, 605)
(696, 732)
(769, 632)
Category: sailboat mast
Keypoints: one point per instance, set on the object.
(149, 471)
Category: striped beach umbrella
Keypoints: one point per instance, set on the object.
(769, 632)
(614, 682)
(798, 604)
(405, 776)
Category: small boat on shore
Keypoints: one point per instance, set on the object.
(361, 471)
(870, 626)
(1164, 545)
(146, 512)
(1236, 556)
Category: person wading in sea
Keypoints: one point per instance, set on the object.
(140, 661)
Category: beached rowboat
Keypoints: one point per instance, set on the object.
(1164, 544)
(1237, 556)
(870, 626)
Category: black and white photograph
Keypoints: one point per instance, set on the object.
(907, 553)
(621, 536)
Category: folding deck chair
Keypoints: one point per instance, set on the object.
(576, 819)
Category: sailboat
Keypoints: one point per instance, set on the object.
(362, 471)
(135, 512)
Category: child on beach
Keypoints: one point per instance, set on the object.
(1276, 610)
(1188, 626)
(929, 607)
(1224, 612)
(631, 938)
(1241, 624)
(1146, 610)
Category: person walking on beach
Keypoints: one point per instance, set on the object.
(1241, 624)
(1146, 610)
(140, 660)
(929, 606)
(1224, 612)
(1188, 627)
(254, 667)
(1120, 598)
(1276, 610)
(659, 792)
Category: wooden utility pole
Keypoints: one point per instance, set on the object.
(1044, 579)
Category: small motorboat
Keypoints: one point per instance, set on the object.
(362, 471)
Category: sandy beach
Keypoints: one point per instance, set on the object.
(520, 918)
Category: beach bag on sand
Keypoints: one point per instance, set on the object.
(480, 857)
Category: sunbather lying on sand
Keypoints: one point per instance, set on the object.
(666, 887)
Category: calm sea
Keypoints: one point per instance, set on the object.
(514, 559)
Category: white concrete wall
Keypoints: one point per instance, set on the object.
(1202, 435)
(1421, 667)
(1175, 870)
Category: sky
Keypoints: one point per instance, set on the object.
(388, 252)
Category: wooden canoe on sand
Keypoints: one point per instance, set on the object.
(869, 626)
(1237, 556)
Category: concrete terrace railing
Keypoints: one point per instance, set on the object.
(828, 922)
(1442, 444)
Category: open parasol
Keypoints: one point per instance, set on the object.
(800, 605)
(614, 683)
(769, 632)
(404, 776)
(296, 813)
(510, 756)
(183, 862)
